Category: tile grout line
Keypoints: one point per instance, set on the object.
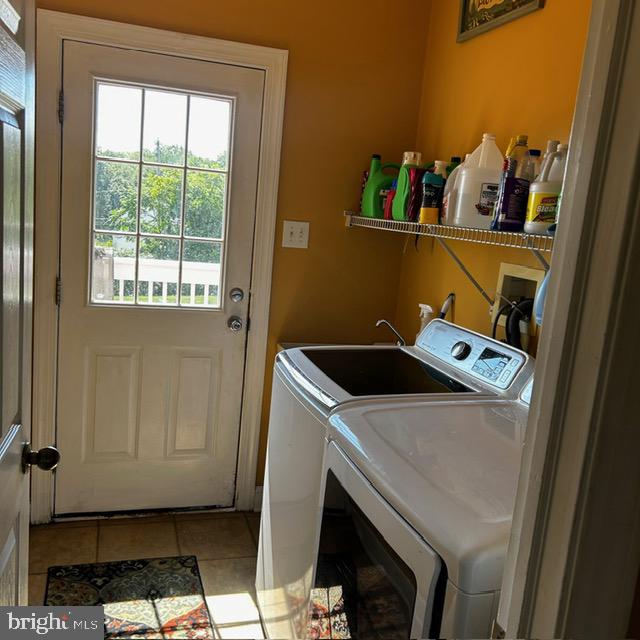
(175, 533)
(253, 557)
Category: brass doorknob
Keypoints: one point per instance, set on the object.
(46, 458)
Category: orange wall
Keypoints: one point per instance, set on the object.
(518, 78)
(346, 98)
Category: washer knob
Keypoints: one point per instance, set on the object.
(461, 350)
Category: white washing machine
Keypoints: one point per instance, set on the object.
(417, 515)
(447, 364)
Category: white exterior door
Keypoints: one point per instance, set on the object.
(16, 173)
(159, 174)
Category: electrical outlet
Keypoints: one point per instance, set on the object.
(295, 234)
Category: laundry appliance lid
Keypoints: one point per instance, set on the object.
(450, 470)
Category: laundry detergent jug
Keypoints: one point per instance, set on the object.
(380, 179)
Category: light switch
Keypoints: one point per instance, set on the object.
(295, 234)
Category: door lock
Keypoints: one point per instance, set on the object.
(46, 458)
(235, 323)
(236, 294)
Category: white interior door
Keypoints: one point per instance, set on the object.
(159, 173)
(16, 130)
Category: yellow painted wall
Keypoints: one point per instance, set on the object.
(346, 98)
(518, 78)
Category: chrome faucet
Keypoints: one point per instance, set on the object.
(401, 342)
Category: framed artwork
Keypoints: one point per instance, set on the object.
(479, 16)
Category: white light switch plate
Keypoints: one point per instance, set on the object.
(295, 234)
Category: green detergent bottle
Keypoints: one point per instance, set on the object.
(378, 180)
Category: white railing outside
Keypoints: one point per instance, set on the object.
(110, 276)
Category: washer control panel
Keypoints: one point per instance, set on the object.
(487, 360)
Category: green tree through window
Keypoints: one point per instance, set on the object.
(116, 200)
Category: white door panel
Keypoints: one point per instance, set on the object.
(150, 375)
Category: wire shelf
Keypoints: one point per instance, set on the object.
(529, 241)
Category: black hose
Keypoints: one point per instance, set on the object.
(501, 312)
(520, 311)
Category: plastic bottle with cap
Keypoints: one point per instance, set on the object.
(426, 315)
(432, 192)
(545, 192)
(409, 180)
(535, 156)
(511, 205)
(450, 193)
(477, 186)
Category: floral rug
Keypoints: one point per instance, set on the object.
(155, 598)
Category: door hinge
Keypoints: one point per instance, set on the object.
(60, 106)
(58, 291)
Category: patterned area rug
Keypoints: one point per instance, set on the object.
(156, 598)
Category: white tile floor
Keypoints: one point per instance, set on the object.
(225, 545)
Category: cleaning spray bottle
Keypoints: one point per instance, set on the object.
(426, 315)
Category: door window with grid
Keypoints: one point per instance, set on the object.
(160, 184)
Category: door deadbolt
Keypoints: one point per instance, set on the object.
(46, 458)
(236, 294)
(235, 323)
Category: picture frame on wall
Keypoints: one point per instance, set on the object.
(480, 16)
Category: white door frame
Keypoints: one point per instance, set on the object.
(53, 28)
(573, 558)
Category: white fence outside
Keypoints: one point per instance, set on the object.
(111, 275)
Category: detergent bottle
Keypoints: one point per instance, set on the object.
(378, 180)
(544, 193)
(477, 186)
(511, 205)
(432, 191)
(409, 186)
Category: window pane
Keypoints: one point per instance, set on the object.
(200, 273)
(116, 196)
(160, 200)
(165, 121)
(205, 204)
(208, 132)
(158, 271)
(114, 268)
(118, 121)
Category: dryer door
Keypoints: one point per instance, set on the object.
(375, 577)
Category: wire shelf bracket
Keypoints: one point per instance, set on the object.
(537, 244)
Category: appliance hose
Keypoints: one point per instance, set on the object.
(521, 311)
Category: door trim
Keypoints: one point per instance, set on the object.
(576, 522)
(54, 28)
